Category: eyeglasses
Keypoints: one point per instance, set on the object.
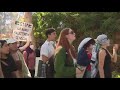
(72, 32)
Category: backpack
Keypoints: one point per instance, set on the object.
(50, 67)
(94, 60)
(45, 70)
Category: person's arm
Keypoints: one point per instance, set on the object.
(26, 45)
(16, 74)
(25, 56)
(101, 59)
(45, 58)
(114, 55)
(44, 52)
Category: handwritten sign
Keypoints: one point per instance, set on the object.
(22, 30)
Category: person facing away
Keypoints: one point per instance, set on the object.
(84, 55)
(8, 66)
(105, 57)
(65, 55)
(18, 57)
(47, 51)
(29, 55)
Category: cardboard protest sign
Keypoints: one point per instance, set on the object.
(22, 30)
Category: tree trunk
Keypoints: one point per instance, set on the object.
(28, 18)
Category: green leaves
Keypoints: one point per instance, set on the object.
(102, 22)
(84, 24)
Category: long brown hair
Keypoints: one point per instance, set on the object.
(63, 41)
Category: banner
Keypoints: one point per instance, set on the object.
(22, 30)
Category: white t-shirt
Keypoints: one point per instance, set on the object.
(47, 49)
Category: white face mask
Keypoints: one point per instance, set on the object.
(91, 46)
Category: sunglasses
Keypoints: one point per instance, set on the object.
(72, 32)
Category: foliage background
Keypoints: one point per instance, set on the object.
(85, 24)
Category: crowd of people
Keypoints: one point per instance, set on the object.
(57, 58)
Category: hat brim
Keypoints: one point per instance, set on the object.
(10, 42)
(83, 42)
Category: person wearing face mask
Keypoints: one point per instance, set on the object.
(29, 55)
(8, 68)
(105, 57)
(84, 55)
(18, 56)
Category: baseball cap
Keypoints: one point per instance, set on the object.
(101, 39)
(11, 40)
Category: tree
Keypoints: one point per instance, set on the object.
(83, 23)
(28, 18)
(7, 20)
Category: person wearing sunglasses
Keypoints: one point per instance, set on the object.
(65, 55)
(105, 57)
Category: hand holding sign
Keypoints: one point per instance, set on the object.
(29, 39)
(22, 31)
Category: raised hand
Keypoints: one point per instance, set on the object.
(116, 46)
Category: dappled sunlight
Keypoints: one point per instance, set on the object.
(115, 74)
(7, 22)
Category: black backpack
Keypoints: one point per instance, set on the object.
(50, 68)
(46, 70)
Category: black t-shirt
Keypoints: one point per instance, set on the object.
(9, 68)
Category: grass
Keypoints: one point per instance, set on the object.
(115, 74)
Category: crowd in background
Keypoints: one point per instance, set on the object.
(57, 58)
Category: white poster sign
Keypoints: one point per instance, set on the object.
(22, 30)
